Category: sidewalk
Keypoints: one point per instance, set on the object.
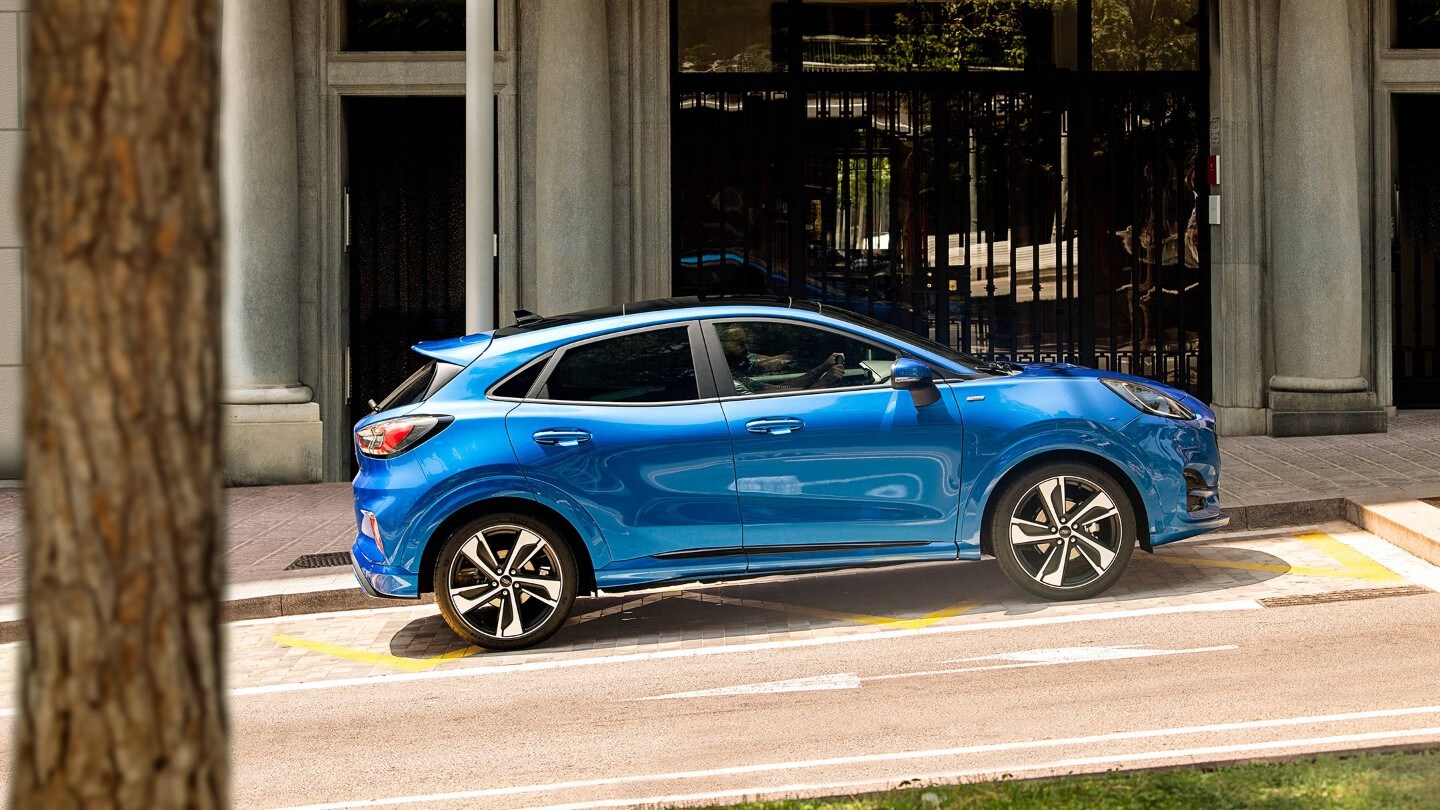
(1265, 483)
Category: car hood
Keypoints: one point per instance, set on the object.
(461, 351)
(1033, 370)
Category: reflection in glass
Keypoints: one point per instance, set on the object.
(943, 207)
(1145, 34)
(405, 25)
(730, 196)
(1147, 221)
(1417, 24)
(731, 36)
(937, 35)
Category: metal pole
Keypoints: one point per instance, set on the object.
(479, 165)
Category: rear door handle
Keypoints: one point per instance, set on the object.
(774, 425)
(561, 437)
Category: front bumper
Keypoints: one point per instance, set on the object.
(376, 579)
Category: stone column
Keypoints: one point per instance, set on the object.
(273, 431)
(573, 158)
(1238, 274)
(1316, 282)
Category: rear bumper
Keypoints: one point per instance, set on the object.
(377, 579)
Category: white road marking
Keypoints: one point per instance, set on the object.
(849, 680)
(1373, 736)
(1080, 655)
(845, 680)
(1078, 658)
(1058, 767)
(744, 647)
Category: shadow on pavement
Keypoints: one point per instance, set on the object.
(901, 596)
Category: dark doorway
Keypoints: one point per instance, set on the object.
(406, 234)
(1415, 288)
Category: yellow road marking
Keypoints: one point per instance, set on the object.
(377, 659)
(1349, 557)
(1356, 565)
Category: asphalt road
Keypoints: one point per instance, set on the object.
(1158, 681)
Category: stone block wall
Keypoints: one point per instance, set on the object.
(12, 253)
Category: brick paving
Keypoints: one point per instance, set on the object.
(268, 527)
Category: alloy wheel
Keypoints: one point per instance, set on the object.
(1066, 532)
(506, 581)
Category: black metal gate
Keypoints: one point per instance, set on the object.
(1046, 212)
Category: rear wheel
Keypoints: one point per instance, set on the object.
(1063, 531)
(505, 581)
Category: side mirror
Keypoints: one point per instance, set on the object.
(917, 378)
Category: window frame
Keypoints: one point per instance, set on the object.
(704, 379)
(542, 361)
(725, 381)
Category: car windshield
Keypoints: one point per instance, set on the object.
(903, 336)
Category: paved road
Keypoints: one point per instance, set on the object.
(1204, 655)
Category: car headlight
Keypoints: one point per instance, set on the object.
(1148, 399)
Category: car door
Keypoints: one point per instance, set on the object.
(832, 465)
(623, 426)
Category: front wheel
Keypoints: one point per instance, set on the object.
(505, 582)
(1063, 531)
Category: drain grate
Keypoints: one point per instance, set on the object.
(1343, 596)
(330, 559)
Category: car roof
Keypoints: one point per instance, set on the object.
(656, 305)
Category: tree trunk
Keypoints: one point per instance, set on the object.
(121, 701)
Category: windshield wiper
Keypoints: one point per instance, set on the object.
(1003, 367)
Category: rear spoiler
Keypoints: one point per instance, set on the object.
(460, 351)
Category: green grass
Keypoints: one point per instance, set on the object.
(1394, 781)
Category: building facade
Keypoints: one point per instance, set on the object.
(1236, 197)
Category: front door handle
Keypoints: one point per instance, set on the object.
(561, 437)
(775, 425)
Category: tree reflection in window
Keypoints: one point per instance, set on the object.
(405, 25)
(1144, 34)
(1417, 24)
(981, 33)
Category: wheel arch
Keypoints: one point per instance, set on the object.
(1114, 470)
(490, 506)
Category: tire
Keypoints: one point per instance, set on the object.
(1078, 556)
(494, 606)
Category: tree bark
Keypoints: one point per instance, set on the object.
(121, 701)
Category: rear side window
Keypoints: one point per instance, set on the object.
(412, 390)
(652, 366)
(519, 385)
(419, 386)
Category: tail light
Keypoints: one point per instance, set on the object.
(392, 437)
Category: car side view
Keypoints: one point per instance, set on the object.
(684, 440)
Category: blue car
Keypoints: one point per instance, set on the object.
(686, 440)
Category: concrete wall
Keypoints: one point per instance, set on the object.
(12, 254)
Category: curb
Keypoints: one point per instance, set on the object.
(1293, 513)
(1411, 525)
(265, 606)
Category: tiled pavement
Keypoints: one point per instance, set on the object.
(268, 527)
(1223, 568)
(1404, 462)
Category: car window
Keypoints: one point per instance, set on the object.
(767, 357)
(519, 384)
(411, 391)
(652, 366)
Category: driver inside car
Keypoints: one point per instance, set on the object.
(744, 364)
